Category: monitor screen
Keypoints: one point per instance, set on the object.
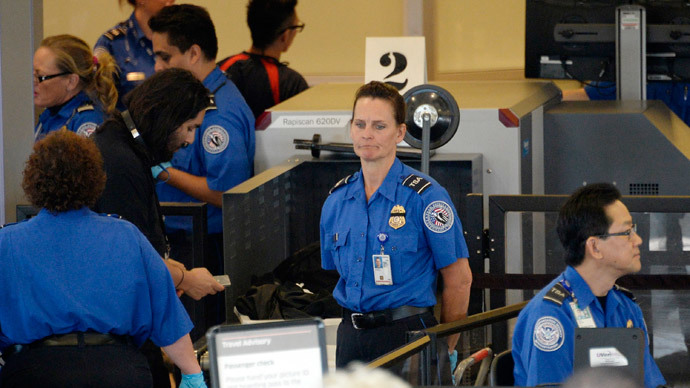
(273, 354)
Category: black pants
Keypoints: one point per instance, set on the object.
(159, 371)
(368, 344)
(100, 366)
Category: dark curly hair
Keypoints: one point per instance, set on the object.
(64, 172)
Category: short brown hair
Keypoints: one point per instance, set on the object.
(64, 172)
(383, 91)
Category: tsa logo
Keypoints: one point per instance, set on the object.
(438, 217)
(215, 139)
(548, 334)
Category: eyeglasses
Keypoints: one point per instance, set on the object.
(298, 27)
(628, 233)
(42, 78)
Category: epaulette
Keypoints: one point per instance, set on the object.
(416, 183)
(340, 183)
(87, 105)
(212, 103)
(14, 223)
(625, 292)
(557, 294)
(116, 32)
(110, 215)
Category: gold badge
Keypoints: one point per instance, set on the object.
(629, 324)
(397, 219)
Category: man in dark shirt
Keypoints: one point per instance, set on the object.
(262, 79)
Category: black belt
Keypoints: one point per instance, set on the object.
(375, 319)
(70, 339)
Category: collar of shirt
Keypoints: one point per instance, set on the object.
(69, 107)
(584, 294)
(136, 29)
(46, 215)
(388, 186)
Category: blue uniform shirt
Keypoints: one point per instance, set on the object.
(223, 150)
(673, 94)
(418, 249)
(79, 114)
(79, 271)
(549, 358)
(133, 53)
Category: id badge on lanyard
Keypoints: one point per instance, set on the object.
(383, 275)
(583, 317)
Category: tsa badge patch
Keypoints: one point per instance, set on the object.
(397, 219)
(548, 334)
(438, 217)
(215, 139)
(86, 129)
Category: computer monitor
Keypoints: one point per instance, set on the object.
(273, 354)
(575, 39)
(610, 347)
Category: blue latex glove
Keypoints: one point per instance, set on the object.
(453, 358)
(193, 381)
(157, 170)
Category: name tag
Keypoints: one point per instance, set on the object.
(382, 270)
(583, 317)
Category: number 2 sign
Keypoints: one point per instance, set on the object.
(399, 61)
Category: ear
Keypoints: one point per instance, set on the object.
(593, 248)
(402, 130)
(72, 81)
(194, 54)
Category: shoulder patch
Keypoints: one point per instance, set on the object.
(625, 292)
(416, 183)
(548, 334)
(87, 129)
(116, 32)
(215, 139)
(557, 294)
(340, 183)
(438, 217)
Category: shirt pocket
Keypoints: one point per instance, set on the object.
(403, 253)
(339, 240)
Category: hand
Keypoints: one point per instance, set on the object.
(158, 169)
(453, 358)
(193, 381)
(198, 282)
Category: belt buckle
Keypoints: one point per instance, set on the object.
(353, 318)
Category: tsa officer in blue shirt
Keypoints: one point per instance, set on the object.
(74, 86)
(601, 245)
(129, 43)
(222, 156)
(81, 291)
(391, 215)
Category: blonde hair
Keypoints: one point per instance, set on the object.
(95, 72)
